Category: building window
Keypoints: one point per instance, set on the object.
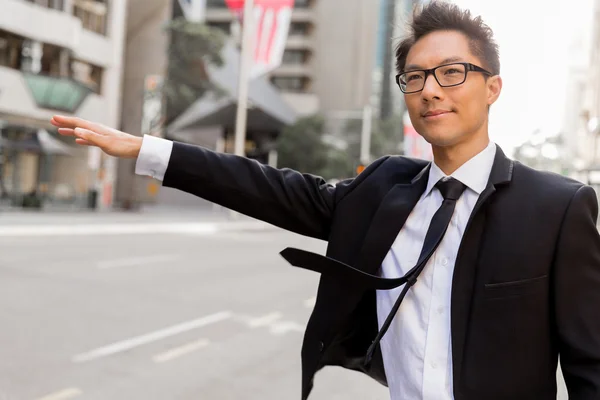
(92, 13)
(88, 74)
(54, 4)
(10, 50)
(295, 57)
(302, 3)
(290, 84)
(216, 4)
(50, 63)
(299, 28)
(47, 60)
(223, 26)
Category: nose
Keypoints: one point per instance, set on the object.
(431, 89)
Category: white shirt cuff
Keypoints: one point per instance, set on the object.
(154, 157)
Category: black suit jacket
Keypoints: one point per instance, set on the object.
(526, 284)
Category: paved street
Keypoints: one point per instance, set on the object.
(117, 307)
(128, 307)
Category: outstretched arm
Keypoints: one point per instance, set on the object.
(298, 202)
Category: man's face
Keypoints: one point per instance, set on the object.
(447, 116)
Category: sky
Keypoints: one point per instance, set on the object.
(538, 40)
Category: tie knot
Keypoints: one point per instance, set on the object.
(450, 188)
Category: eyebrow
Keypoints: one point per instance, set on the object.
(445, 61)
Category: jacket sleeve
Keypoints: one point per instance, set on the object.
(577, 296)
(301, 203)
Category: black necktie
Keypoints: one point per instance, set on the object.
(451, 190)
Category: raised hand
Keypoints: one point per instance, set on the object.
(86, 133)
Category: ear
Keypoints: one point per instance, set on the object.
(494, 86)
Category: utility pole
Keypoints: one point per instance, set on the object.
(365, 137)
(245, 64)
(386, 103)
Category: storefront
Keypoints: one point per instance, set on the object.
(33, 162)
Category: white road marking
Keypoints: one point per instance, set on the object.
(271, 321)
(180, 351)
(151, 337)
(63, 394)
(264, 320)
(283, 327)
(310, 303)
(135, 261)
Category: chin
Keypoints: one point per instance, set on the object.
(440, 139)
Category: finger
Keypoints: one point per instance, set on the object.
(74, 122)
(66, 131)
(83, 142)
(87, 135)
(64, 122)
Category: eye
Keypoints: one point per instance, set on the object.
(451, 71)
(413, 77)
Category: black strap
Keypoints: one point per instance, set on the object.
(451, 190)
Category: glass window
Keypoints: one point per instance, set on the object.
(54, 4)
(224, 26)
(216, 4)
(51, 60)
(88, 74)
(299, 28)
(302, 3)
(10, 49)
(290, 84)
(92, 13)
(294, 57)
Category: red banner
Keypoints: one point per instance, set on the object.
(271, 23)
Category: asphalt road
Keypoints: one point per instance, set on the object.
(127, 308)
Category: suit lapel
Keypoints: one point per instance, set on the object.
(465, 268)
(388, 220)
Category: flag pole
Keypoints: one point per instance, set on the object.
(242, 103)
(245, 64)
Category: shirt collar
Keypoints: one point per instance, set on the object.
(475, 173)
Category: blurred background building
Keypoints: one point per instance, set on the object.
(57, 56)
(114, 62)
(326, 69)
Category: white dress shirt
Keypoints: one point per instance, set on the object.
(416, 349)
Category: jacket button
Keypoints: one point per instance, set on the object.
(321, 346)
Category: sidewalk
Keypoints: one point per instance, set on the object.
(149, 220)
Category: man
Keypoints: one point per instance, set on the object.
(496, 266)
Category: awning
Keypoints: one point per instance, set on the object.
(267, 110)
(61, 94)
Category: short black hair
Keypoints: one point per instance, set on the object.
(442, 16)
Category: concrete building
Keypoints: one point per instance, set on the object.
(208, 122)
(582, 117)
(389, 33)
(58, 56)
(327, 67)
(144, 64)
(329, 55)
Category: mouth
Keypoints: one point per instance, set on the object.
(436, 114)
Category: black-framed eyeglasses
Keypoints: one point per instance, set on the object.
(446, 75)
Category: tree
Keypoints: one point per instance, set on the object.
(386, 137)
(300, 146)
(193, 46)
